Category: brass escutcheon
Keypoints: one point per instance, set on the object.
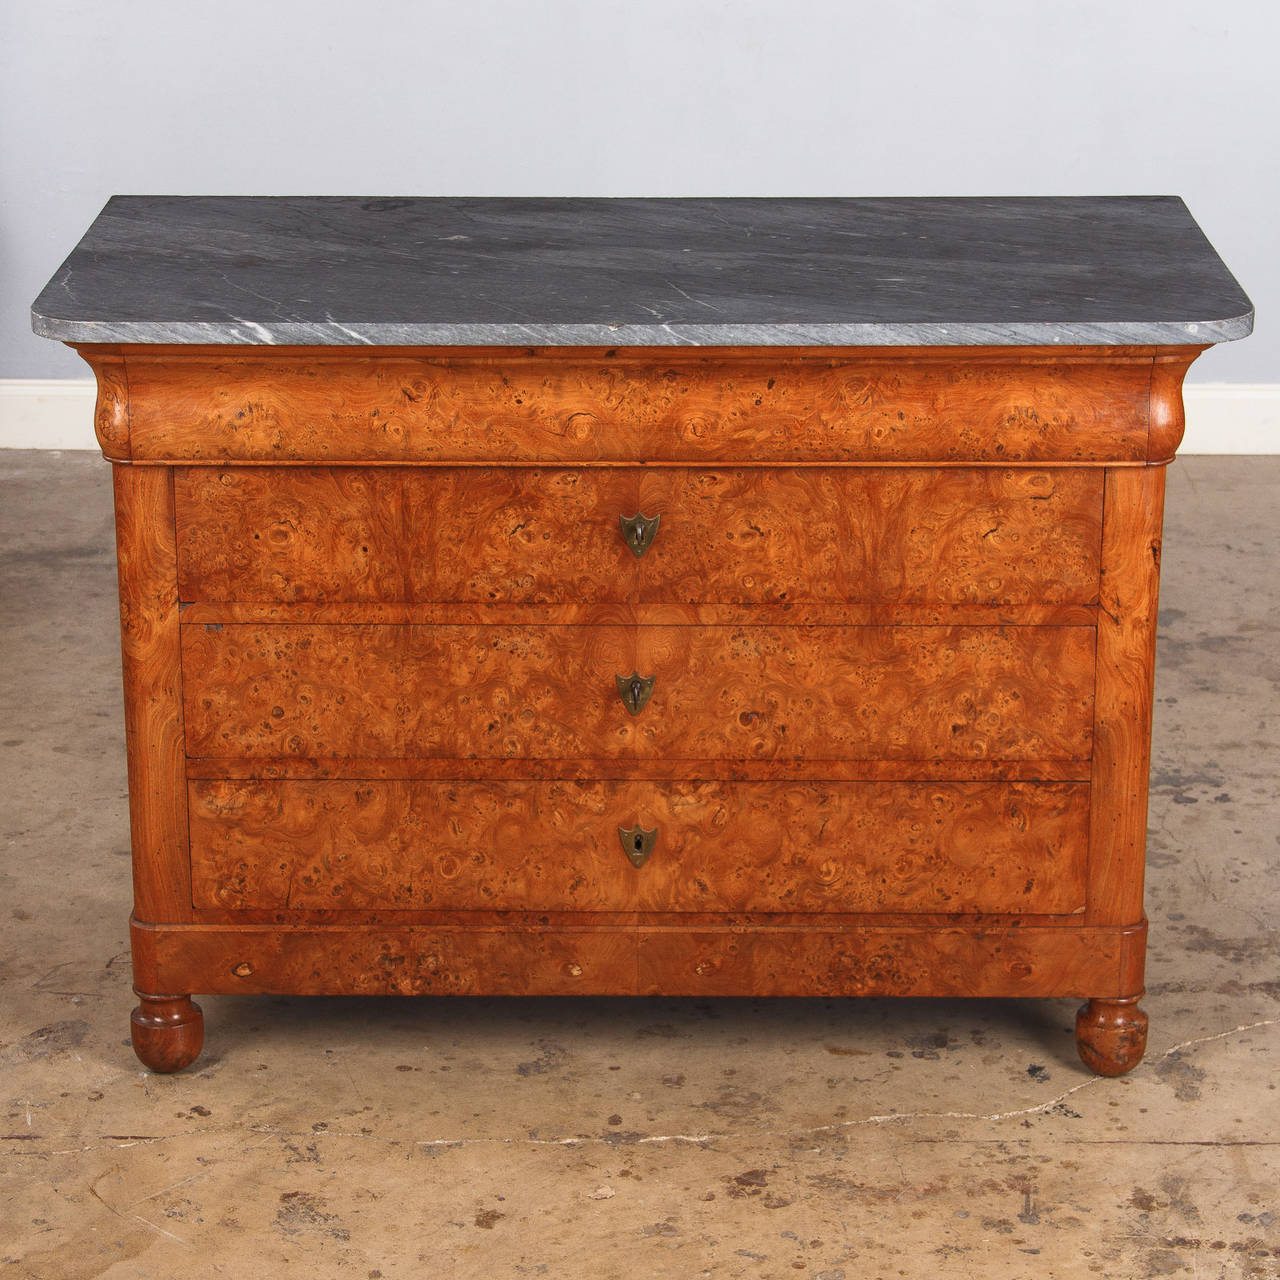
(635, 690)
(637, 843)
(638, 531)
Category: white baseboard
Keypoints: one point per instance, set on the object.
(1231, 417)
(1222, 417)
(47, 413)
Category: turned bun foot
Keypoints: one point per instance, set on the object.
(1111, 1035)
(168, 1031)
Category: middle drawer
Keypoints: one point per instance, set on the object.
(387, 691)
(521, 535)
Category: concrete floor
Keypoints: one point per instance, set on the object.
(493, 1138)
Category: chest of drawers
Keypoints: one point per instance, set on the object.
(684, 667)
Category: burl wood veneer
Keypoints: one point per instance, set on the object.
(683, 667)
(897, 730)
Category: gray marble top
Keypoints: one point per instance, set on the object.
(570, 272)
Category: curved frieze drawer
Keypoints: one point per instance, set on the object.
(992, 405)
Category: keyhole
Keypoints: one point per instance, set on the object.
(639, 843)
(636, 689)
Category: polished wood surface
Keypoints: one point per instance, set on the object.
(1111, 1035)
(960, 847)
(886, 404)
(899, 611)
(151, 658)
(635, 769)
(1167, 418)
(532, 535)
(957, 959)
(548, 692)
(509, 958)
(1125, 681)
(167, 1032)
(111, 411)
(850, 613)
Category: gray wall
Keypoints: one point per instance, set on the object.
(637, 97)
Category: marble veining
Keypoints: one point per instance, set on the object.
(644, 272)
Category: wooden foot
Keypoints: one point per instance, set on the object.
(1111, 1035)
(168, 1031)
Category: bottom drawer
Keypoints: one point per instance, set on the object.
(720, 846)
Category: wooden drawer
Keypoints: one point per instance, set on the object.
(532, 535)
(573, 405)
(550, 692)
(772, 847)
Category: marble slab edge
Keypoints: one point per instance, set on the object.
(332, 333)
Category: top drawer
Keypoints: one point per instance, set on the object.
(885, 405)
(817, 535)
